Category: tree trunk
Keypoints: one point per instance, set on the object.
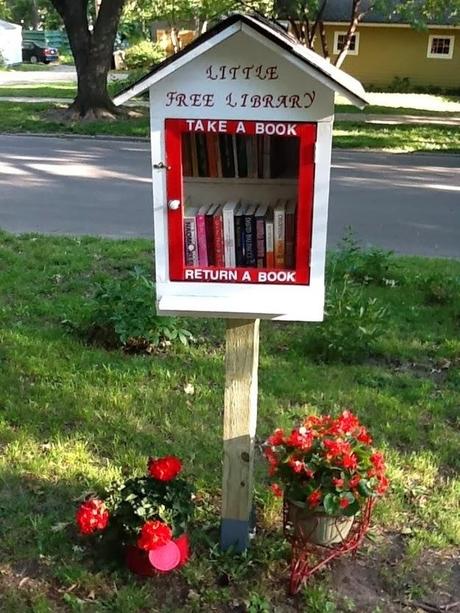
(92, 51)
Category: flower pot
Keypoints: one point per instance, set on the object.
(137, 560)
(317, 527)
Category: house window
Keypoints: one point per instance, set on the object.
(440, 47)
(340, 38)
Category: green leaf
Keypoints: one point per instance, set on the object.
(331, 504)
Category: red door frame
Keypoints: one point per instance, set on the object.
(175, 191)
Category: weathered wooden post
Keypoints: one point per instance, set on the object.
(240, 419)
(241, 133)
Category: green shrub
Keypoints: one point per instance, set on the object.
(352, 324)
(440, 290)
(122, 314)
(143, 55)
(2, 61)
(370, 266)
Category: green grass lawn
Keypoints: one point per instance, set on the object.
(74, 416)
(40, 90)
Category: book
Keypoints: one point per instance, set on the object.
(202, 154)
(241, 153)
(266, 156)
(269, 242)
(260, 156)
(260, 216)
(285, 164)
(209, 227)
(201, 236)
(290, 233)
(279, 230)
(226, 155)
(218, 237)
(212, 148)
(239, 236)
(235, 156)
(190, 237)
(228, 216)
(250, 246)
(251, 153)
(186, 144)
(194, 154)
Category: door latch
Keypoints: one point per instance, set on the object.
(161, 166)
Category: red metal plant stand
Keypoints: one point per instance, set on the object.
(308, 558)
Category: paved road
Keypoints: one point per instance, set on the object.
(409, 203)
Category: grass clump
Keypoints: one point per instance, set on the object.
(122, 314)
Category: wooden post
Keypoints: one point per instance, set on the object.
(240, 418)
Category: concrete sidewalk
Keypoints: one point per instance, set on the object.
(375, 118)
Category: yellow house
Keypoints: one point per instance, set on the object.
(383, 51)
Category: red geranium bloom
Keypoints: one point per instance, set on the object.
(91, 516)
(347, 421)
(383, 485)
(309, 473)
(343, 503)
(275, 488)
(164, 469)
(296, 465)
(378, 462)
(300, 438)
(154, 534)
(314, 499)
(363, 436)
(354, 481)
(277, 438)
(349, 461)
(337, 482)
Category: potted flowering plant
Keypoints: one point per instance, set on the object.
(327, 470)
(145, 517)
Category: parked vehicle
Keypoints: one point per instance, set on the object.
(33, 53)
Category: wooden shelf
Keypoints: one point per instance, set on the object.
(240, 181)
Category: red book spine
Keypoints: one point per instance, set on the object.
(201, 240)
(218, 241)
(211, 145)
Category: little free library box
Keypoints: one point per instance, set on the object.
(241, 131)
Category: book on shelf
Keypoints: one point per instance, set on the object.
(258, 156)
(228, 216)
(238, 234)
(209, 226)
(190, 236)
(260, 220)
(279, 228)
(240, 255)
(250, 246)
(203, 259)
(290, 222)
(269, 240)
(219, 237)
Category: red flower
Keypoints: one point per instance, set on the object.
(314, 499)
(347, 421)
(154, 534)
(383, 485)
(354, 481)
(164, 469)
(378, 462)
(277, 438)
(296, 465)
(343, 503)
(91, 516)
(337, 482)
(275, 488)
(309, 473)
(363, 436)
(349, 460)
(300, 438)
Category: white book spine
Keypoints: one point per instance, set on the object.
(269, 243)
(191, 245)
(229, 236)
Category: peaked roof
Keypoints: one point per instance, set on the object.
(329, 75)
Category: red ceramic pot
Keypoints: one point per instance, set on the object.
(137, 560)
